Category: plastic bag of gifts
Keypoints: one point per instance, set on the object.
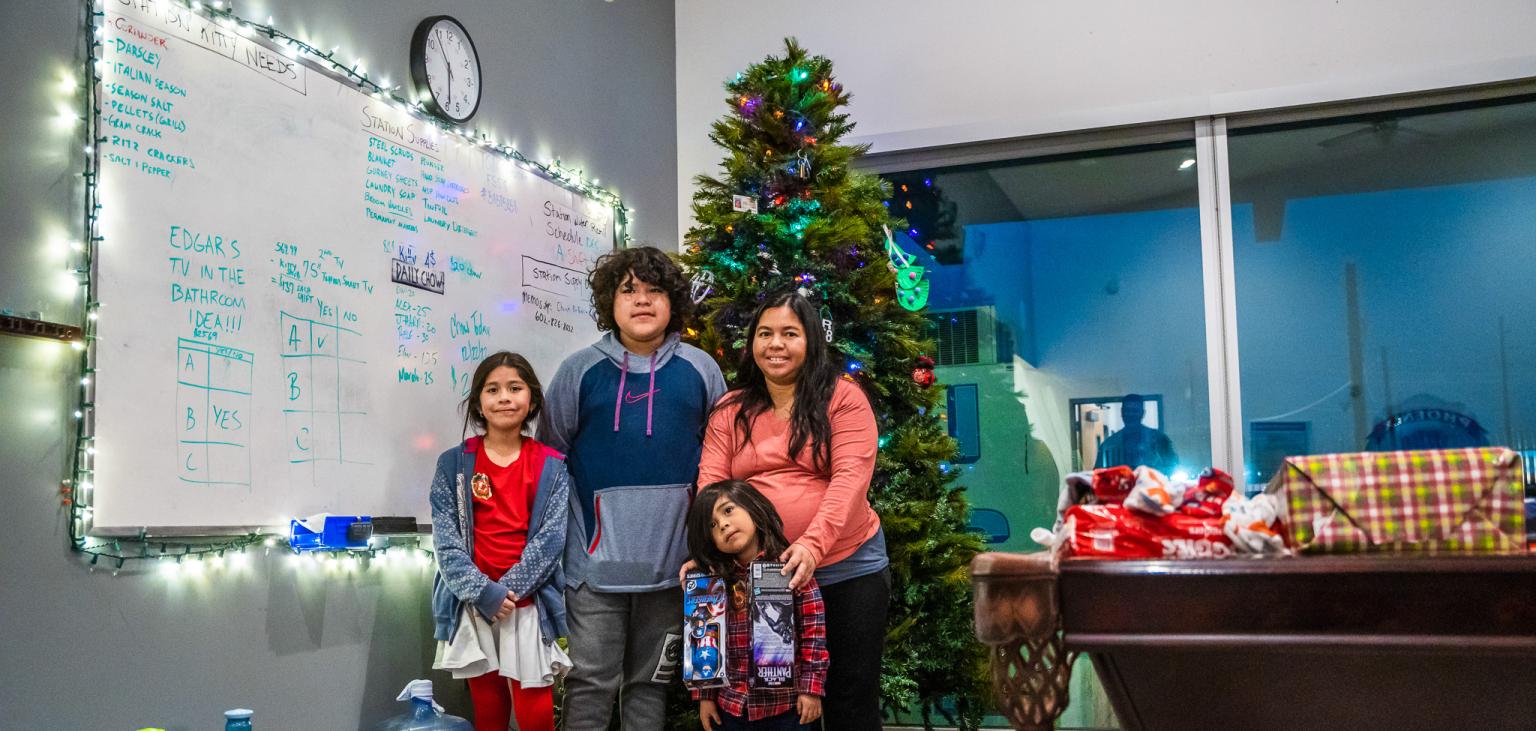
(1118, 512)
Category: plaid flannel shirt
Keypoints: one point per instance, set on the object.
(810, 658)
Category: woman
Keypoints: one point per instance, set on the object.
(806, 439)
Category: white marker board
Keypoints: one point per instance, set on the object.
(297, 280)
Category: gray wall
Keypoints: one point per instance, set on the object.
(588, 80)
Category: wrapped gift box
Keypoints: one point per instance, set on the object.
(1440, 501)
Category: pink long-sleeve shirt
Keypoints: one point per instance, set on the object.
(826, 511)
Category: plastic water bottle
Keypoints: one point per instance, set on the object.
(425, 714)
(238, 719)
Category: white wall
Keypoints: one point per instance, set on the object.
(925, 73)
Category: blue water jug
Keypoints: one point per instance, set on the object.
(425, 714)
(238, 719)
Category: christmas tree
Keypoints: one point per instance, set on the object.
(788, 212)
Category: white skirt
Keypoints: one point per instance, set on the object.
(512, 647)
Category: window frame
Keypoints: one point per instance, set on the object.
(1210, 134)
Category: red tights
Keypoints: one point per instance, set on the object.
(497, 698)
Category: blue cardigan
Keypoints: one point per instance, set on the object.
(538, 573)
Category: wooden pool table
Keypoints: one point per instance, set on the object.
(1350, 642)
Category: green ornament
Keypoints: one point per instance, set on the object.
(912, 287)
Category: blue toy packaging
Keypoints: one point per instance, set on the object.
(704, 636)
(773, 627)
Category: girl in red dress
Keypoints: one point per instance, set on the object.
(499, 503)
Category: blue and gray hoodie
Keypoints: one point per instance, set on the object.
(631, 427)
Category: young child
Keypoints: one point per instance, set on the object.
(629, 412)
(730, 525)
(499, 504)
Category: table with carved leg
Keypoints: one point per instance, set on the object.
(1349, 642)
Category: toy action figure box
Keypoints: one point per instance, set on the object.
(773, 627)
(704, 637)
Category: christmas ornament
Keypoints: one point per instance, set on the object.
(801, 166)
(746, 203)
(922, 374)
(911, 284)
(911, 288)
(773, 266)
(703, 283)
(826, 322)
(922, 377)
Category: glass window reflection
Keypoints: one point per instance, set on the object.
(1385, 270)
(1066, 303)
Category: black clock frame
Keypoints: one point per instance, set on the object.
(419, 67)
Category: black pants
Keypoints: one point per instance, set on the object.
(856, 618)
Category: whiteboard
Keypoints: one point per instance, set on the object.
(297, 280)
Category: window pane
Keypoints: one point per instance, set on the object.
(1385, 269)
(1059, 287)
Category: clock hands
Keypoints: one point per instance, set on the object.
(447, 65)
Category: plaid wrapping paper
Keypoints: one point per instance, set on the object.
(1440, 501)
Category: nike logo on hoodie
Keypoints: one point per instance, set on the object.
(635, 398)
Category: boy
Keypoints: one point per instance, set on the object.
(629, 414)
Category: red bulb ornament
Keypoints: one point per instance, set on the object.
(922, 374)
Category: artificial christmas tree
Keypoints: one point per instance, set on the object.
(787, 212)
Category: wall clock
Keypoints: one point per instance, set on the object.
(446, 68)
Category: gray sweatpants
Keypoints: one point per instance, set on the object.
(619, 647)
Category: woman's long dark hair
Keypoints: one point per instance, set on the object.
(701, 515)
(808, 422)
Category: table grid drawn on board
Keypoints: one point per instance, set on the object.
(313, 349)
(213, 407)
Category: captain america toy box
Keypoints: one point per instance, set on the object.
(704, 636)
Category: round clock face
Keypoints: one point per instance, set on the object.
(446, 68)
